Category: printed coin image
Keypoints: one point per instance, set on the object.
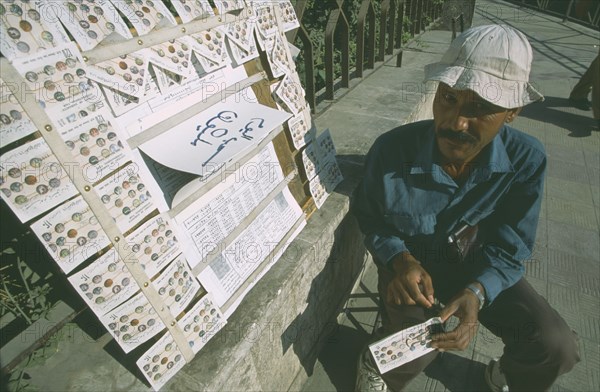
(47, 36)
(124, 328)
(72, 233)
(59, 96)
(124, 319)
(142, 328)
(49, 70)
(59, 228)
(186, 328)
(13, 33)
(93, 160)
(35, 162)
(14, 172)
(148, 250)
(93, 234)
(172, 293)
(30, 180)
(5, 119)
(97, 290)
(47, 236)
(42, 189)
(76, 217)
(105, 199)
(154, 257)
(100, 142)
(93, 220)
(139, 309)
(99, 300)
(60, 241)
(110, 26)
(126, 337)
(71, 62)
(84, 24)
(126, 211)
(80, 73)
(137, 202)
(92, 19)
(146, 22)
(61, 66)
(160, 240)
(110, 70)
(64, 253)
(68, 78)
(108, 283)
(119, 203)
(84, 151)
(89, 295)
(177, 358)
(31, 76)
(151, 322)
(135, 248)
(162, 291)
(54, 183)
(23, 47)
(97, 279)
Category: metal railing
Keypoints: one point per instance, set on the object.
(586, 13)
(388, 16)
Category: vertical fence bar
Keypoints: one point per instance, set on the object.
(336, 17)
(366, 11)
(383, 23)
(418, 17)
(400, 23)
(391, 27)
(309, 67)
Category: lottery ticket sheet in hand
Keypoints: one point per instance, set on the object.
(405, 345)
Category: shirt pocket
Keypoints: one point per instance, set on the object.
(475, 216)
(411, 225)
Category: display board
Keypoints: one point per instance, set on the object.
(152, 147)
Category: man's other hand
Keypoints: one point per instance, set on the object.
(412, 284)
(465, 306)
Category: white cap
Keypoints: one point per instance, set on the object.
(492, 60)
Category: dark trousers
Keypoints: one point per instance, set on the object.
(539, 345)
(590, 81)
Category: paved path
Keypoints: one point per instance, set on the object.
(565, 265)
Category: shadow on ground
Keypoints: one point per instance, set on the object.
(549, 111)
(458, 373)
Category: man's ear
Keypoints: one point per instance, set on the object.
(511, 114)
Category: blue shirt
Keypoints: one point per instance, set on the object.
(406, 197)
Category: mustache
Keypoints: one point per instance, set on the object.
(462, 137)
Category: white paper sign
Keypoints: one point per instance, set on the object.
(105, 284)
(211, 218)
(208, 140)
(404, 346)
(14, 121)
(161, 362)
(230, 269)
(71, 234)
(32, 181)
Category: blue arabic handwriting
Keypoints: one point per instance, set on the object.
(247, 128)
(219, 149)
(225, 116)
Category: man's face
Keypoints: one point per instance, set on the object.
(465, 123)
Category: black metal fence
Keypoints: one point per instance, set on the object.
(395, 20)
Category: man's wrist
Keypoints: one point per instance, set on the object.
(477, 289)
(401, 259)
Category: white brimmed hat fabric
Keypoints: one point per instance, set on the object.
(492, 60)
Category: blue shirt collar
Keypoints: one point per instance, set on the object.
(492, 159)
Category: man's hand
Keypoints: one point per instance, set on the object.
(411, 285)
(465, 306)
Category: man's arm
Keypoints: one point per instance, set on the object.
(510, 234)
(381, 239)
(411, 284)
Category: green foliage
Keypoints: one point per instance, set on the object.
(316, 19)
